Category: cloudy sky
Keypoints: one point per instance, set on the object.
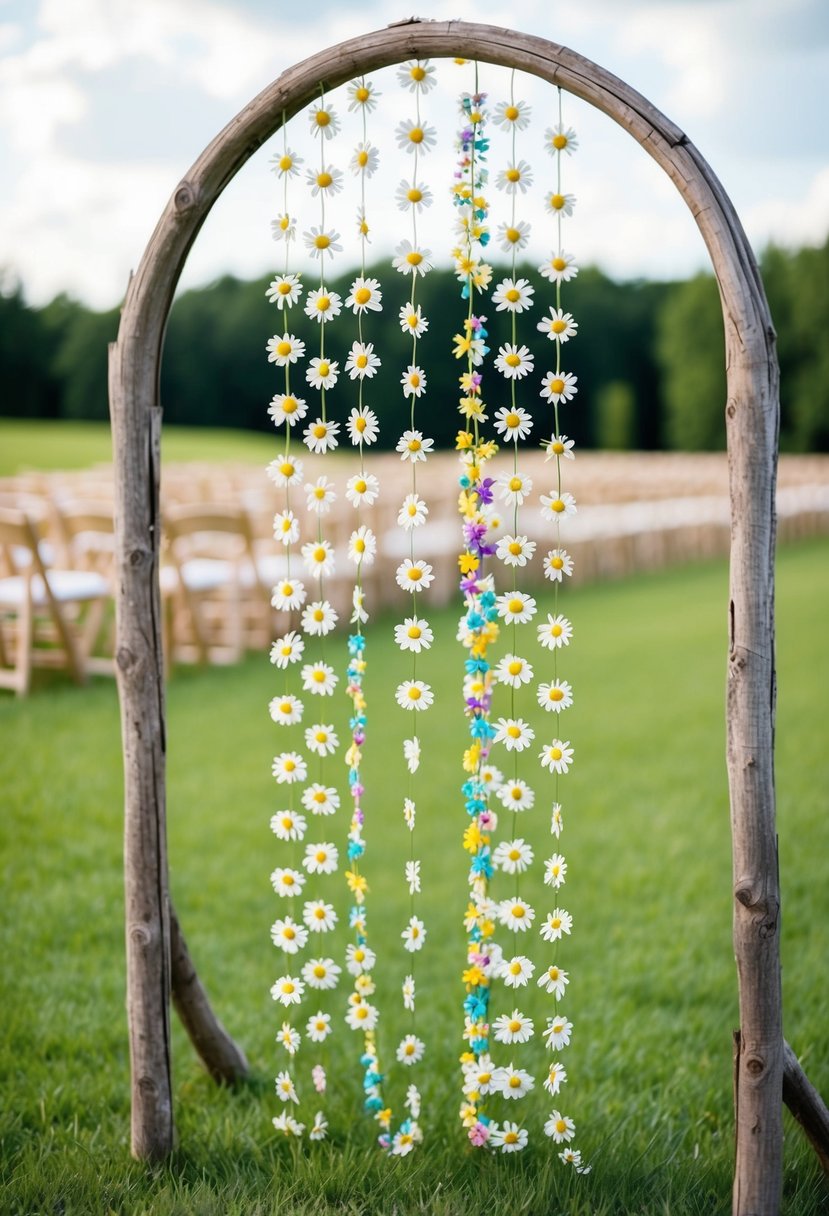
(104, 104)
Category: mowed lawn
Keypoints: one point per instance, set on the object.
(653, 991)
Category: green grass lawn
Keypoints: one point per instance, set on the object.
(653, 982)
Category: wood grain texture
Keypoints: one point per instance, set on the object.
(752, 424)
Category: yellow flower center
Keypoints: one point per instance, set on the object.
(515, 605)
(286, 706)
(323, 368)
(556, 694)
(558, 327)
(360, 424)
(515, 793)
(557, 505)
(515, 1026)
(513, 420)
(362, 158)
(321, 737)
(556, 631)
(362, 93)
(322, 241)
(287, 469)
(518, 910)
(416, 135)
(555, 923)
(512, 235)
(320, 430)
(559, 264)
(557, 447)
(557, 201)
(511, 1137)
(324, 179)
(415, 573)
(475, 117)
(414, 258)
(319, 677)
(289, 933)
(414, 693)
(284, 289)
(414, 631)
(514, 1083)
(411, 320)
(290, 765)
(319, 493)
(515, 968)
(512, 359)
(513, 295)
(287, 822)
(412, 510)
(286, 163)
(319, 971)
(515, 548)
(287, 589)
(409, 1049)
(361, 361)
(557, 563)
(515, 667)
(559, 142)
(284, 222)
(414, 195)
(287, 987)
(288, 880)
(414, 445)
(514, 732)
(323, 303)
(318, 614)
(561, 1126)
(323, 118)
(362, 295)
(556, 753)
(359, 545)
(557, 385)
(284, 348)
(417, 72)
(511, 112)
(319, 796)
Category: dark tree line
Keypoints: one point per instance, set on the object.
(649, 356)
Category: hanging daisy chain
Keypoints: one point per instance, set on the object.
(556, 695)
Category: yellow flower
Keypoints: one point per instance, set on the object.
(486, 451)
(468, 562)
(464, 440)
(356, 884)
(475, 977)
(469, 1114)
(466, 1057)
(471, 407)
(383, 1117)
(471, 757)
(487, 928)
(472, 838)
(462, 344)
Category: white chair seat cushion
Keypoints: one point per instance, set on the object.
(68, 586)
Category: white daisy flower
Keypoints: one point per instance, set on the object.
(319, 1127)
(555, 696)
(412, 320)
(326, 180)
(362, 546)
(362, 1016)
(513, 295)
(286, 710)
(558, 386)
(512, 424)
(320, 799)
(359, 959)
(560, 446)
(366, 159)
(283, 228)
(414, 382)
(409, 194)
(289, 767)
(413, 511)
(557, 506)
(559, 326)
(319, 495)
(478, 1074)
(555, 870)
(512, 115)
(286, 527)
(411, 753)
(410, 1049)
(516, 607)
(491, 778)
(287, 649)
(322, 858)
(365, 296)
(288, 1124)
(513, 361)
(289, 1038)
(514, 488)
(560, 139)
(318, 556)
(557, 756)
(320, 436)
(417, 76)
(558, 562)
(414, 575)
(323, 305)
(559, 1127)
(284, 349)
(408, 991)
(362, 488)
(559, 268)
(412, 875)
(322, 373)
(359, 614)
(516, 795)
(553, 980)
(287, 882)
(286, 163)
(560, 204)
(515, 550)
(288, 595)
(516, 914)
(362, 424)
(318, 618)
(414, 634)
(415, 137)
(285, 1087)
(514, 733)
(319, 678)
(512, 1027)
(414, 694)
(516, 971)
(288, 990)
(319, 916)
(288, 825)
(558, 1032)
(318, 1027)
(322, 241)
(513, 856)
(362, 95)
(402, 1143)
(321, 739)
(323, 120)
(285, 407)
(556, 820)
(515, 178)
(409, 259)
(287, 935)
(414, 935)
(513, 237)
(555, 632)
(285, 472)
(284, 290)
(513, 1082)
(513, 671)
(509, 1137)
(362, 363)
(321, 973)
(409, 808)
(557, 923)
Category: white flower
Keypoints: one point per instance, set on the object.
(365, 296)
(326, 180)
(362, 546)
(413, 511)
(560, 446)
(321, 739)
(362, 1016)
(320, 436)
(512, 424)
(290, 1038)
(507, 1136)
(361, 363)
(513, 236)
(558, 386)
(323, 305)
(285, 1087)
(490, 777)
(320, 799)
(516, 607)
(359, 614)
(513, 295)
(362, 488)
(287, 882)
(288, 825)
(513, 1082)
(283, 228)
(414, 575)
(287, 935)
(320, 917)
(555, 870)
(516, 914)
(559, 326)
(319, 678)
(414, 694)
(409, 808)
(555, 632)
(560, 139)
(514, 488)
(413, 877)
(323, 120)
(514, 733)
(288, 990)
(560, 204)
(513, 671)
(362, 95)
(515, 972)
(412, 1102)
(417, 76)
(318, 618)
(288, 595)
(414, 935)
(513, 361)
(556, 696)
(559, 1127)
(516, 795)
(413, 381)
(412, 321)
(415, 137)
(321, 973)
(289, 767)
(318, 557)
(558, 1032)
(320, 1127)
(322, 858)
(558, 562)
(515, 550)
(287, 1123)
(512, 1028)
(284, 290)
(402, 1143)
(560, 268)
(287, 649)
(554, 980)
(557, 923)
(286, 163)
(410, 1049)
(409, 259)
(512, 115)
(512, 856)
(285, 407)
(359, 959)
(318, 1027)
(408, 990)
(285, 472)
(409, 194)
(477, 1074)
(286, 527)
(322, 373)
(284, 349)
(557, 756)
(515, 178)
(411, 753)
(319, 495)
(362, 424)
(365, 159)
(556, 820)
(414, 634)
(557, 506)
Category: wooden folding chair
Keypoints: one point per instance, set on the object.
(44, 613)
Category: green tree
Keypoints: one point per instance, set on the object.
(691, 348)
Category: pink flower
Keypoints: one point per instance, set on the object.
(479, 1134)
(318, 1077)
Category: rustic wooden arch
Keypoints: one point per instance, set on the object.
(158, 964)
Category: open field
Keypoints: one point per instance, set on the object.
(653, 986)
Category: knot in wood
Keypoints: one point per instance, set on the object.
(125, 658)
(147, 1085)
(184, 197)
(731, 409)
(137, 557)
(755, 1066)
(744, 895)
(140, 934)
